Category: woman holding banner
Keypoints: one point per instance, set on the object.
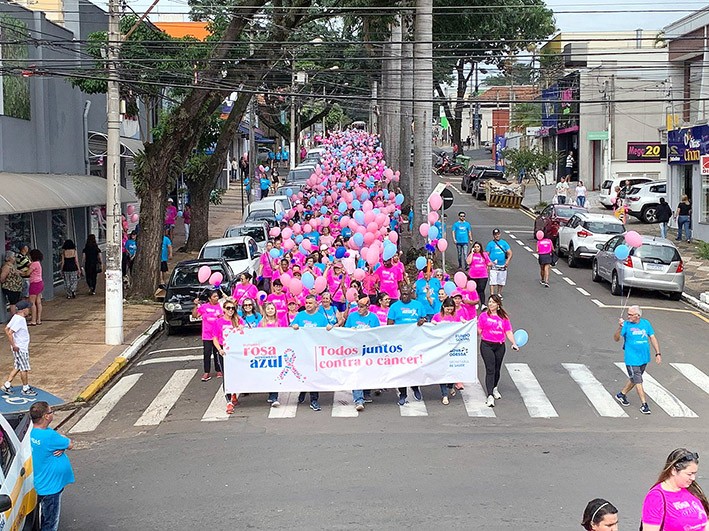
(209, 312)
(448, 314)
(270, 320)
(222, 327)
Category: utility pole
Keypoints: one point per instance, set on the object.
(253, 157)
(114, 275)
(292, 155)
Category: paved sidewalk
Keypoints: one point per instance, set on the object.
(68, 350)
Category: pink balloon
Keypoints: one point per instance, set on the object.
(289, 244)
(307, 228)
(326, 222)
(296, 227)
(433, 217)
(216, 279)
(358, 274)
(320, 284)
(307, 244)
(369, 238)
(285, 280)
(393, 237)
(633, 239)
(369, 216)
(203, 274)
(459, 278)
(372, 258)
(134, 218)
(471, 285)
(344, 221)
(423, 229)
(540, 234)
(372, 227)
(130, 209)
(287, 233)
(435, 201)
(295, 286)
(367, 206)
(442, 245)
(351, 294)
(275, 231)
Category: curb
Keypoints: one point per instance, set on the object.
(119, 362)
(690, 299)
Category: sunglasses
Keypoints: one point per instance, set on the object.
(691, 456)
(229, 308)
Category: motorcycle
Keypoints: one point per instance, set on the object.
(445, 166)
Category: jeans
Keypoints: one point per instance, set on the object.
(663, 229)
(50, 508)
(581, 200)
(445, 388)
(684, 221)
(358, 396)
(462, 254)
(492, 354)
(561, 199)
(403, 393)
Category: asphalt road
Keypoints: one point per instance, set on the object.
(549, 448)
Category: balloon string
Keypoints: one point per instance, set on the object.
(625, 303)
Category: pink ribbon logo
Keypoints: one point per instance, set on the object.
(289, 366)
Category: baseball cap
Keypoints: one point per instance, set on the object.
(496, 231)
(170, 200)
(23, 305)
(457, 293)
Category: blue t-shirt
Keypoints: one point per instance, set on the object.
(305, 320)
(402, 313)
(434, 285)
(265, 183)
(497, 253)
(252, 320)
(461, 230)
(51, 473)
(637, 342)
(314, 237)
(285, 154)
(330, 314)
(131, 247)
(165, 252)
(355, 320)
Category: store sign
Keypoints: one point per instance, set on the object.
(597, 135)
(646, 152)
(704, 163)
(686, 146)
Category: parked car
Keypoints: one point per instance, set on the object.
(299, 175)
(240, 252)
(655, 265)
(184, 287)
(487, 146)
(608, 188)
(263, 153)
(269, 216)
(273, 204)
(477, 187)
(553, 217)
(585, 233)
(644, 199)
(466, 183)
(258, 230)
(295, 188)
(315, 154)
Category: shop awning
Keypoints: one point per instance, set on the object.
(34, 192)
(259, 135)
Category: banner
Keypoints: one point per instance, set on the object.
(646, 152)
(263, 360)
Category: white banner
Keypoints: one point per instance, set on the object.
(262, 360)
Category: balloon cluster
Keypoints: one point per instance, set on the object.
(633, 240)
(204, 275)
(431, 229)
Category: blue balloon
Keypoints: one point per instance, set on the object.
(388, 252)
(340, 252)
(308, 280)
(421, 263)
(323, 210)
(346, 232)
(358, 239)
(363, 196)
(521, 337)
(449, 287)
(342, 207)
(433, 233)
(279, 216)
(622, 252)
(356, 205)
(274, 253)
(289, 192)
(359, 217)
(299, 238)
(399, 199)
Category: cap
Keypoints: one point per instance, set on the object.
(457, 293)
(496, 231)
(323, 247)
(23, 305)
(170, 200)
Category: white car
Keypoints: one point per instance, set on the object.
(273, 204)
(258, 230)
(644, 199)
(240, 252)
(608, 188)
(584, 234)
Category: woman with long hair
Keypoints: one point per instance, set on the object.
(494, 327)
(92, 262)
(332, 314)
(36, 286)
(478, 269)
(676, 502)
(448, 314)
(249, 313)
(69, 266)
(11, 281)
(600, 515)
(209, 312)
(270, 320)
(223, 326)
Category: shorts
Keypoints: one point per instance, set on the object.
(635, 373)
(13, 297)
(163, 266)
(36, 288)
(545, 259)
(498, 277)
(22, 360)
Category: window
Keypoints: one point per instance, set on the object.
(18, 231)
(61, 231)
(704, 200)
(659, 189)
(6, 451)
(663, 253)
(236, 251)
(602, 227)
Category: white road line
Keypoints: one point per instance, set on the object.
(569, 281)
(600, 398)
(168, 395)
(342, 405)
(557, 271)
(694, 375)
(583, 292)
(507, 232)
(474, 400)
(100, 411)
(520, 242)
(532, 393)
(288, 407)
(217, 409)
(535, 255)
(662, 397)
(513, 236)
(170, 359)
(597, 303)
(527, 248)
(173, 350)
(414, 408)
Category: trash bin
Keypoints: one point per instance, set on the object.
(465, 161)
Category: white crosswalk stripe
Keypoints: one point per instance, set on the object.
(100, 411)
(474, 400)
(413, 408)
(288, 407)
(342, 405)
(532, 393)
(217, 408)
(672, 405)
(601, 399)
(168, 395)
(694, 375)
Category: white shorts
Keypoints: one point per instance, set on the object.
(498, 277)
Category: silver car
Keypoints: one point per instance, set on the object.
(655, 265)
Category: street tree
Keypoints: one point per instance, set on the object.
(531, 163)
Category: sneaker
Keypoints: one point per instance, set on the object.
(490, 402)
(444, 400)
(452, 391)
(206, 377)
(402, 400)
(541, 282)
(417, 394)
(275, 403)
(6, 389)
(546, 284)
(645, 410)
(229, 408)
(31, 392)
(620, 397)
(315, 406)
(270, 400)
(301, 398)
(496, 394)
(377, 392)
(220, 374)
(359, 406)
(368, 400)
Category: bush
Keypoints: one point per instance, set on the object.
(703, 250)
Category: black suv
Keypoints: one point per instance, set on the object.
(477, 186)
(466, 184)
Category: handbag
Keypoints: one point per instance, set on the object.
(99, 267)
(554, 258)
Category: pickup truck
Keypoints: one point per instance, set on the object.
(19, 509)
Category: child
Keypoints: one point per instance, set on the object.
(19, 337)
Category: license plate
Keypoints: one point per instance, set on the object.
(654, 267)
(195, 319)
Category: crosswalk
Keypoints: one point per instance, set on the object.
(535, 400)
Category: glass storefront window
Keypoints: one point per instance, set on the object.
(60, 232)
(97, 223)
(18, 230)
(704, 198)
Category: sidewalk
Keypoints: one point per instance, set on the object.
(68, 350)
(696, 269)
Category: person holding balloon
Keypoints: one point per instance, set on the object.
(427, 293)
(447, 314)
(545, 250)
(337, 283)
(389, 279)
(244, 288)
(209, 312)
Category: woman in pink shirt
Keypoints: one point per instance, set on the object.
(280, 301)
(222, 327)
(545, 247)
(382, 310)
(209, 312)
(271, 320)
(244, 289)
(479, 263)
(370, 283)
(389, 278)
(337, 283)
(676, 502)
(325, 237)
(448, 314)
(36, 286)
(494, 326)
(265, 270)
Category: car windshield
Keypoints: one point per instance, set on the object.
(258, 215)
(493, 175)
(565, 212)
(234, 251)
(663, 253)
(607, 184)
(604, 227)
(257, 233)
(188, 275)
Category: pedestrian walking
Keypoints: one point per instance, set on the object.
(448, 314)
(303, 153)
(581, 194)
(187, 220)
(362, 319)
(676, 502)
(36, 285)
(11, 281)
(209, 312)
(545, 250)
(234, 165)
(500, 254)
(51, 466)
(265, 184)
(69, 266)
(600, 515)
(462, 235)
(683, 215)
(170, 216)
(19, 337)
(427, 293)
(663, 215)
(244, 166)
(638, 334)
(478, 269)
(570, 160)
(562, 189)
(92, 262)
(223, 326)
(165, 254)
(494, 328)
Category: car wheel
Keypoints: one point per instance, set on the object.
(608, 207)
(649, 214)
(616, 288)
(675, 295)
(594, 272)
(570, 258)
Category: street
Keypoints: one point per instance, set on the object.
(156, 451)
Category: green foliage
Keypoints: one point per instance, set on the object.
(533, 162)
(515, 73)
(526, 115)
(216, 196)
(703, 250)
(15, 87)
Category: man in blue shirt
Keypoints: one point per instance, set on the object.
(311, 317)
(361, 320)
(265, 184)
(405, 311)
(462, 235)
(427, 294)
(500, 254)
(52, 469)
(638, 335)
(165, 255)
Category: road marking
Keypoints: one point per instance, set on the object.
(530, 216)
(557, 271)
(694, 375)
(172, 350)
(598, 303)
(288, 407)
(474, 400)
(569, 281)
(600, 398)
(527, 248)
(583, 292)
(415, 408)
(512, 236)
(520, 242)
(532, 393)
(217, 408)
(507, 232)
(662, 397)
(170, 359)
(657, 308)
(100, 411)
(535, 255)
(342, 405)
(166, 398)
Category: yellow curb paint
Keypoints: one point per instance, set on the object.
(672, 310)
(95, 386)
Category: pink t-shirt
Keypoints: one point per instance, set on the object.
(210, 315)
(381, 313)
(544, 246)
(467, 312)
(244, 291)
(337, 285)
(281, 304)
(682, 510)
(493, 328)
(389, 278)
(266, 269)
(327, 239)
(438, 318)
(370, 282)
(221, 328)
(478, 265)
(35, 272)
(264, 324)
(170, 214)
